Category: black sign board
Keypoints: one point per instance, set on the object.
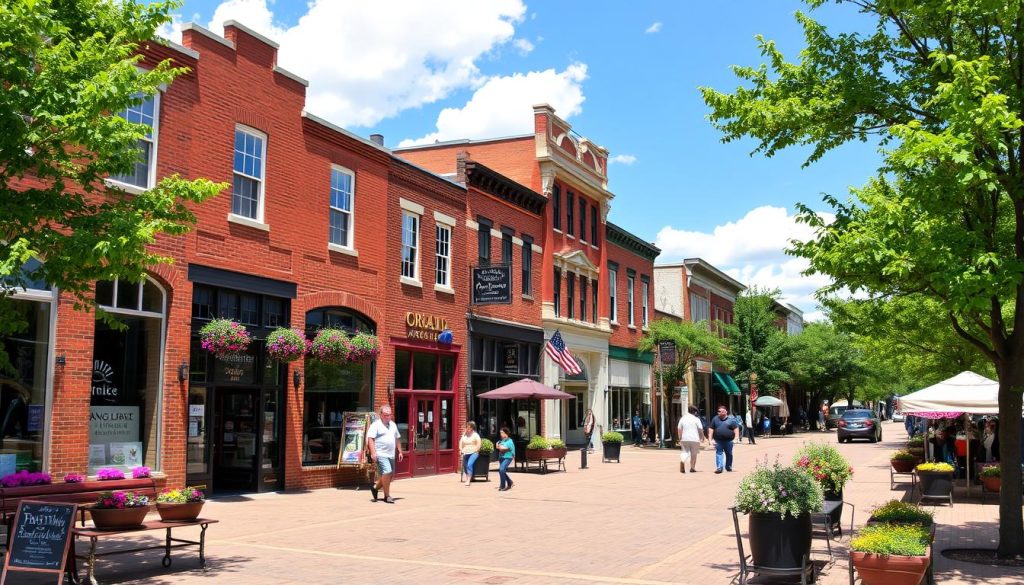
(511, 358)
(40, 538)
(492, 285)
(667, 350)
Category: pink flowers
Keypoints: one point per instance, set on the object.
(223, 337)
(120, 500)
(74, 478)
(25, 478)
(109, 474)
(286, 345)
(140, 472)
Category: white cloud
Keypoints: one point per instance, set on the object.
(622, 159)
(367, 61)
(654, 28)
(523, 46)
(751, 251)
(503, 106)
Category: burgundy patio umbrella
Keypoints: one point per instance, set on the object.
(525, 389)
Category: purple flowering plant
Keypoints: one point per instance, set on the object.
(120, 500)
(109, 473)
(74, 478)
(330, 346)
(223, 337)
(363, 347)
(286, 345)
(774, 489)
(25, 478)
(140, 472)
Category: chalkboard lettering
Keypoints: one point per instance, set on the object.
(40, 537)
(492, 285)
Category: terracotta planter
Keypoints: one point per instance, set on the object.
(889, 570)
(904, 465)
(119, 519)
(992, 484)
(539, 454)
(179, 512)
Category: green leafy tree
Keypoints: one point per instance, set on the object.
(754, 343)
(828, 364)
(66, 66)
(692, 340)
(939, 85)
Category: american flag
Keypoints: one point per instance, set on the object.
(558, 352)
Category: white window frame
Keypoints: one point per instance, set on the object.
(613, 311)
(154, 141)
(413, 279)
(262, 180)
(350, 244)
(700, 308)
(443, 278)
(630, 287)
(645, 290)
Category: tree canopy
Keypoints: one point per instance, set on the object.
(827, 363)
(755, 344)
(940, 84)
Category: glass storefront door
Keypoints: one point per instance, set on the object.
(235, 440)
(425, 439)
(573, 410)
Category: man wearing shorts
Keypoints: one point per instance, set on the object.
(383, 440)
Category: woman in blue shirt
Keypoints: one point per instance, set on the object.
(508, 451)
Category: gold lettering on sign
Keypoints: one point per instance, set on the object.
(425, 327)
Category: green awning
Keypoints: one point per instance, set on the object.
(725, 383)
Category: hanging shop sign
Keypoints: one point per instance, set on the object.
(667, 351)
(702, 366)
(492, 285)
(424, 326)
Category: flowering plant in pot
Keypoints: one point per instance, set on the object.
(779, 501)
(119, 509)
(223, 337)
(827, 466)
(891, 554)
(74, 478)
(611, 444)
(916, 445)
(899, 512)
(286, 345)
(109, 474)
(363, 347)
(25, 478)
(177, 505)
(141, 472)
(330, 346)
(936, 479)
(903, 461)
(992, 478)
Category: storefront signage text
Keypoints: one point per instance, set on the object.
(425, 327)
(702, 366)
(103, 389)
(492, 285)
(667, 349)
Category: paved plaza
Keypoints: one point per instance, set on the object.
(638, 522)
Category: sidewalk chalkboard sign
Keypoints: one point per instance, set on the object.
(40, 538)
(353, 438)
(492, 285)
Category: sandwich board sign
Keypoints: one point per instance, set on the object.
(40, 539)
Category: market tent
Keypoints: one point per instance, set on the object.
(525, 389)
(767, 401)
(965, 392)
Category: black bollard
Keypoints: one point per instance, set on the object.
(583, 457)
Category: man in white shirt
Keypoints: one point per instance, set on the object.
(750, 427)
(383, 440)
(691, 434)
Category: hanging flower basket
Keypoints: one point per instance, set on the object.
(223, 337)
(330, 346)
(286, 345)
(363, 347)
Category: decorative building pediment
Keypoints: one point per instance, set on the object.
(576, 261)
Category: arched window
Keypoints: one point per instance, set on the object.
(124, 414)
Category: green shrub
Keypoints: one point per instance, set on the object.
(557, 443)
(611, 437)
(538, 442)
(899, 512)
(916, 442)
(935, 467)
(990, 472)
(893, 539)
(903, 455)
(780, 490)
(486, 447)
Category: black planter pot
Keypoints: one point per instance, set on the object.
(611, 451)
(936, 484)
(835, 517)
(778, 542)
(482, 467)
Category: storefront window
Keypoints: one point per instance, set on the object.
(332, 389)
(622, 403)
(23, 381)
(124, 414)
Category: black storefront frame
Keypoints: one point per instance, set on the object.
(488, 371)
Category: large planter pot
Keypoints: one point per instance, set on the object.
(482, 467)
(936, 483)
(611, 451)
(541, 454)
(186, 512)
(904, 465)
(836, 516)
(119, 519)
(992, 484)
(916, 451)
(779, 542)
(889, 570)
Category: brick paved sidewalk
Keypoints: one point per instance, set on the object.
(638, 522)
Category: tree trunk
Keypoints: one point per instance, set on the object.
(1011, 522)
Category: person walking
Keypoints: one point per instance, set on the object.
(588, 429)
(508, 451)
(750, 428)
(822, 415)
(691, 435)
(383, 440)
(638, 429)
(469, 447)
(725, 430)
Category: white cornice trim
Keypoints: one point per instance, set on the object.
(445, 219)
(208, 34)
(410, 206)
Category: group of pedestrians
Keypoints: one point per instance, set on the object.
(723, 429)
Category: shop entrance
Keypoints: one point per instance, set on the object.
(573, 411)
(425, 424)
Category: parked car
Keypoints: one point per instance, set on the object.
(897, 416)
(859, 423)
(836, 411)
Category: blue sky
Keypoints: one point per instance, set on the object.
(624, 74)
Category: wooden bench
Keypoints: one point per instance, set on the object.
(83, 493)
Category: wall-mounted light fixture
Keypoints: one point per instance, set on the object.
(296, 378)
(61, 361)
(391, 392)
(183, 372)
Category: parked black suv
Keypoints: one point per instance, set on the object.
(859, 423)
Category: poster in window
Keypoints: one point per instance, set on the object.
(128, 454)
(35, 418)
(354, 429)
(511, 358)
(97, 455)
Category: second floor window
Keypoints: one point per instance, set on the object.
(570, 206)
(593, 224)
(570, 293)
(556, 206)
(583, 219)
(593, 305)
(700, 308)
(613, 310)
(527, 265)
(483, 241)
(558, 293)
(645, 286)
(443, 256)
(506, 248)
(410, 245)
(630, 282)
(247, 187)
(145, 112)
(583, 298)
(342, 183)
